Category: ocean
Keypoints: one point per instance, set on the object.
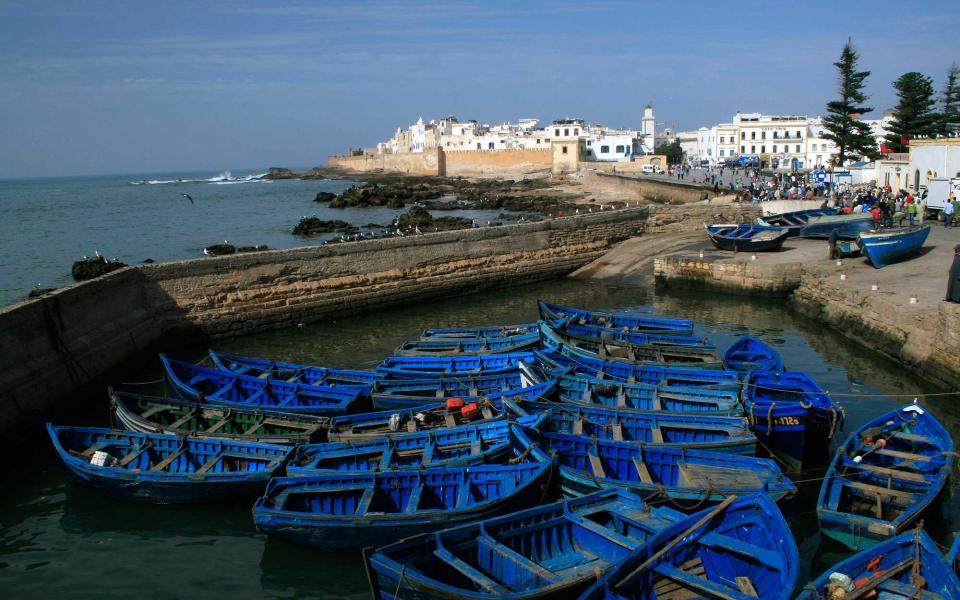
(49, 223)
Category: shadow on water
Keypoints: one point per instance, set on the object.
(60, 538)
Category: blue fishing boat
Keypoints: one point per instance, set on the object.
(589, 391)
(468, 346)
(291, 372)
(351, 511)
(847, 226)
(165, 469)
(692, 430)
(206, 385)
(953, 555)
(889, 246)
(549, 551)
(591, 347)
(410, 367)
(648, 339)
(560, 359)
(846, 249)
(631, 321)
(884, 477)
(152, 414)
(465, 445)
(696, 476)
(906, 566)
(793, 417)
(435, 415)
(495, 331)
(751, 354)
(741, 548)
(747, 238)
(794, 221)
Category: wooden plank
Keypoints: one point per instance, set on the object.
(255, 427)
(163, 464)
(913, 437)
(642, 471)
(129, 458)
(597, 466)
(152, 411)
(469, 572)
(463, 494)
(746, 586)
(184, 419)
(875, 489)
(903, 455)
(449, 420)
(656, 434)
(412, 425)
(218, 425)
(898, 473)
(710, 589)
(578, 426)
(413, 502)
(210, 463)
(516, 558)
(89, 452)
(476, 447)
(617, 430)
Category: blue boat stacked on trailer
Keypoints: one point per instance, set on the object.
(793, 416)
(465, 445)
(752, 354)
(889, 246)
(906, 566)
(588, 464)
(846, 226)
(794, 221)
(418, 367)
(740, 549)
(550, 551)
(196, 383)
(561, 359)
(747, 238)
(468, 345)
(884, 477)
(351, 511)
(612, 349)
(165, 469)
(631, 322)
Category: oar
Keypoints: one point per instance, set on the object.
(716, 510)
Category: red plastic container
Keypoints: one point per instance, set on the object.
(469, 411)
(454, 403)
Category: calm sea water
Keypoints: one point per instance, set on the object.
(46, 224)
(58, 538)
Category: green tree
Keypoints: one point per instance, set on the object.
(852, 136)
(914, 115)
(950, 102)
(672, 151)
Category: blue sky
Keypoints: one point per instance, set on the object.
(135, 86)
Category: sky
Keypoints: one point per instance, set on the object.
(90, 87)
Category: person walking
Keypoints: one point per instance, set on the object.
(947, 213)
(832, 243)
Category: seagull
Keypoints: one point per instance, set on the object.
(188, 197)
(417, 230)
(206, 252)
(96, 253)
(578, 211)
(473, 222)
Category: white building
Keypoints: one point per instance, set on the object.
(930, 158)
(418, 136)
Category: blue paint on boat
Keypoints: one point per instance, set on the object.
(468, 346)
(589, 391)
(550, 551)
(560, 357)
(889, 246)
(166, 469)
(452, 366)
(884, 477)
(887, 570)
(794, 221)
(747, 238)
(615, 335)
(351, 511)
(703, 555)
(196, 383)
(589, 464)
(953, 555)
(847, 226)
(465, 445)
(291, 372)
(631, 321)
(752, 354)
(495, 331)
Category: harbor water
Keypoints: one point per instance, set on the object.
(47, 224)
(58, 538)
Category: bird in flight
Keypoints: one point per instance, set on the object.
(188, 197)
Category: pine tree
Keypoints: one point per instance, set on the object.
(852, 136)
(950, 103)
(914, 115)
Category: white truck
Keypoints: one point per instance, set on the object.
(936, 194)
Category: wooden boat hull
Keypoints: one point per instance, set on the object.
(847, 226)
(632, 322)
(353, 511)
(468, 346)
(240, 468)
(887, 247)
(418, 367)
(884, 493)
(738, 549)
(587, 391)
(587, 465)
(794, 221)
(496, 331)
(748, 238)
(545, 552)
(890, 565)
(751, 354)
(291, 372)
(150, 414)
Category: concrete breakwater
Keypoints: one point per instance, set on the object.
(898, 310)
(55, 345)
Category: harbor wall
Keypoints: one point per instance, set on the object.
(656, 190)
(428, 162)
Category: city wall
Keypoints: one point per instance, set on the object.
(428, 162)
(482, 162)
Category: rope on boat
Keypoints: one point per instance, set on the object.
(161, 380)
(770, 418)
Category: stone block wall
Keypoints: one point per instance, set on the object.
(461, 162)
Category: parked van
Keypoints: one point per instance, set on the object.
(936, 194)
(652, 169)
